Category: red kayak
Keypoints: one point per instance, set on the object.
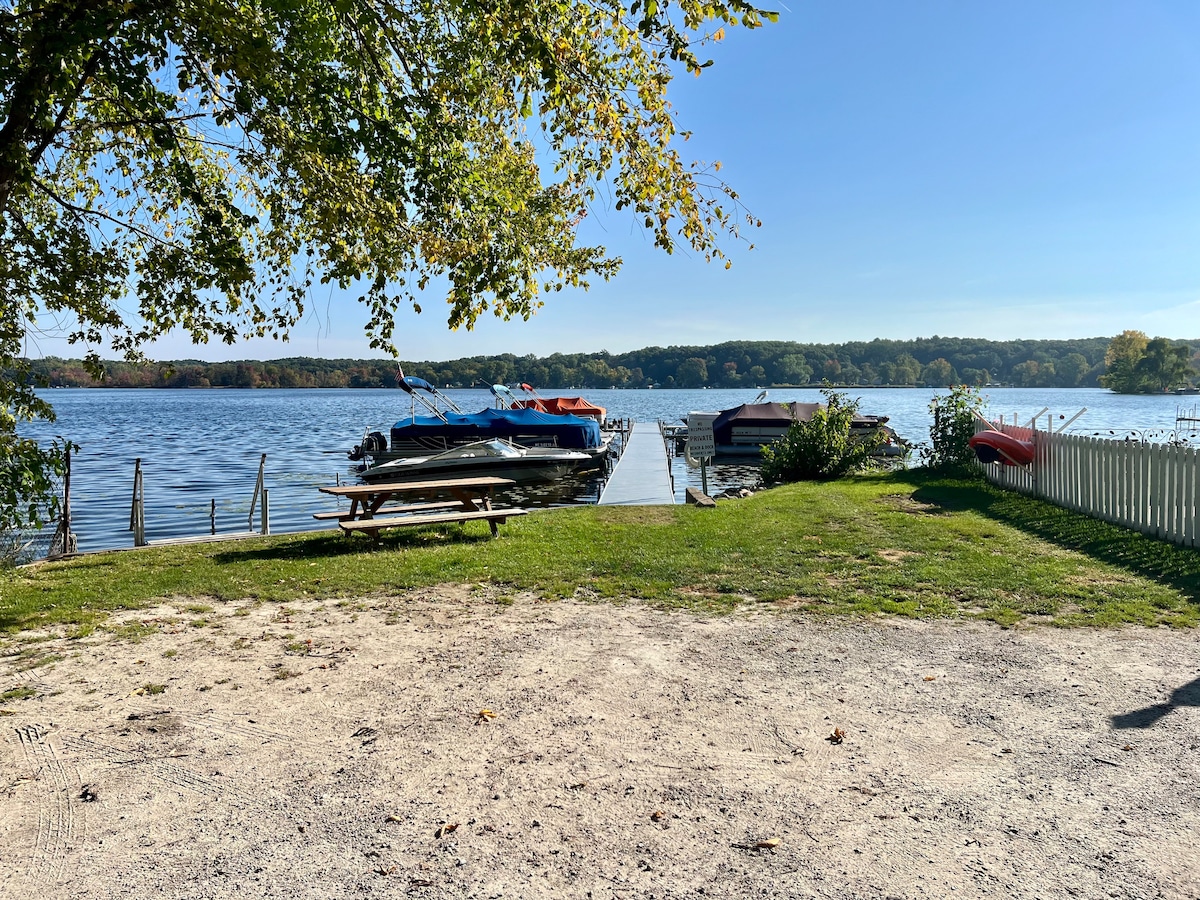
(996, 446)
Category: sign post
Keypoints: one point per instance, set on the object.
(701, 444)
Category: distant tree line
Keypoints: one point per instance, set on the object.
(924, 362)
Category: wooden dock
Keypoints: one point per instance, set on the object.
(642, 476)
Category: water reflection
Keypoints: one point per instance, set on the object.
(721, 476)
(571, 490)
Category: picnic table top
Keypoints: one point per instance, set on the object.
(417, 487)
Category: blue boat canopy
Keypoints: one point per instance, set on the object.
(571, 432)
(411, 382)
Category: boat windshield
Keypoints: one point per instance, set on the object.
(492, 448)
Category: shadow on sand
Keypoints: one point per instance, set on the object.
(1185, 695)
(1178, 567)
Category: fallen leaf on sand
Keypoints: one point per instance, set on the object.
(484, 715)
(768, 844)
(658, 815)
(444, 830)
(392, 819)
(1127, 747)
(931, 678)
(837, 737)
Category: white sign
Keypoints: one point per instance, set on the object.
(701, 444)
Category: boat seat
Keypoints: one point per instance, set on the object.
(391, 510)
(373, 526)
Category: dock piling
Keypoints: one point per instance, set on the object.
(137, 508)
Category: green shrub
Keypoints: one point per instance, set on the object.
(30, 477)
(954, 416)
(821, 448)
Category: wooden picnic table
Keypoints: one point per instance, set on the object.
(421, 503)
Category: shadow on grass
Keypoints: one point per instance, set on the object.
(336, 545)
(1186, 695)
(1169, 564)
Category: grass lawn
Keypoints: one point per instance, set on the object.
(905, 543)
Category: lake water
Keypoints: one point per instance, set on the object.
(203, 445)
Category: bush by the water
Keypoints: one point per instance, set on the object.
(822, 447)
(16, 547)
(954, 417)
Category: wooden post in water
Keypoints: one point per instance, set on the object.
(137, 510)
(212, 517)
(266, 509)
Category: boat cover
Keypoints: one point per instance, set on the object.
(412, 382)
(760, 415)
(776, 415)
(570, 432)
(565, 406)
(575, 406)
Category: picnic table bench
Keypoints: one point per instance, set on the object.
(431, 502)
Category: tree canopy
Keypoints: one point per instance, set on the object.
(199, 165)
(1135, 364)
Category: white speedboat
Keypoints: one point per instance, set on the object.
(491, 457)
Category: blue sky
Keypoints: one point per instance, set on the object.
(1015, 170)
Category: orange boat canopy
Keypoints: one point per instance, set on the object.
(562, 406)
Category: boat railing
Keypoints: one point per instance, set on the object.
(260, 490)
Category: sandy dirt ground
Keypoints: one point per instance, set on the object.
(449, 744)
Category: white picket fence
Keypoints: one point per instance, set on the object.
(1151, 488)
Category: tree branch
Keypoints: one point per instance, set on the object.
(82, 213)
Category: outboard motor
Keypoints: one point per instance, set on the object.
(374, 442)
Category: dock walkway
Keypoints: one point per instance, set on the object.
(642, 476)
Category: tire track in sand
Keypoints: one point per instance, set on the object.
(226, 726)
(172, 774)
(56, 819)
